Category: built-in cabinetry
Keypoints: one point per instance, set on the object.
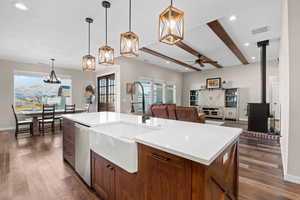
(231, 103)
(164, 176)
(160, 175)
(69, 142)
(113, 183)
(216, 103)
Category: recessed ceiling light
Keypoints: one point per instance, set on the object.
(21, 6)
(168, 62)
(253, 58)
(247, 44)
(232, 18)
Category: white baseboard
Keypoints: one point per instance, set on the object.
(291, 178)
(7, 129)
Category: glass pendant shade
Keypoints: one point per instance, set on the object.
(88, 63)
(106, 55)
(129, 41)
(171, 26)
(129, 45)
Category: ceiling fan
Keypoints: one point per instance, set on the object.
(202, 60)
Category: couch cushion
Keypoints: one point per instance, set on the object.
(160, 111)
(171, 111)
(189, 114)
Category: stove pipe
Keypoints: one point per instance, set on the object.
(263, 56)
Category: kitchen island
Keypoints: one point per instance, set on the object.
(122, 158)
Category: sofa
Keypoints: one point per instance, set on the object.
(171, 111)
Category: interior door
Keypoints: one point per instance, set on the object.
(106, 93)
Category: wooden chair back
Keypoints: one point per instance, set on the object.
(70, 108)
(48, 112)
(16, 117)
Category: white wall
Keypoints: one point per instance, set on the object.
(290, 87)
(132, 70)
(7, 68)
(284, 84)
(247, 78)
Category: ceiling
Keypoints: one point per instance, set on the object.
(56, 28)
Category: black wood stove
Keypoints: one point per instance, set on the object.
(258, 113)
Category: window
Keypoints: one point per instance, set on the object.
(170, 94)
(156, 92)
(106, 93)
(148, 94)
(30, 92)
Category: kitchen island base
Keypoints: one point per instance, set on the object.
(164, 176)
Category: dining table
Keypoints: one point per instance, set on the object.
(35, 114)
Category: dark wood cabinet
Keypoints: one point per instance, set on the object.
(69, 142)
(103, 177)
(128, 186)
(167, 177)
(113, 183)
(164, 176)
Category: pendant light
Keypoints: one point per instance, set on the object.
(106, 53)
(171, 25)
(52, 78)
(89, 61)
(129, 43)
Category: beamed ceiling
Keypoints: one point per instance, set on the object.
(57, 29)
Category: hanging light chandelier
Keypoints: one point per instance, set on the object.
(129, 42)
(52, 78)
(171, 25)
(89, 61)
(106, 53)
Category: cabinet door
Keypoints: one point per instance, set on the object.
(167, 177)
(128, 186)
(103, 177)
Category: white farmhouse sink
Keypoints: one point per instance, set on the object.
(115, 142)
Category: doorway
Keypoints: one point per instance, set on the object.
(106, 93)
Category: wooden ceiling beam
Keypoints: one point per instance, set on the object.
(155, 53)
(201, 58)
(219, 30)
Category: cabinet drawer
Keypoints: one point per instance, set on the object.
(69, 152)
(162, 156)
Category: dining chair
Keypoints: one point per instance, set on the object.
(48, 115)
(68, 109)
(26, 122)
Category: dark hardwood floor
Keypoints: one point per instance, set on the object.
(32, 168)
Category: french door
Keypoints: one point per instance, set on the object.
(106, 93)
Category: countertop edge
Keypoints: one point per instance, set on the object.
(188, 156)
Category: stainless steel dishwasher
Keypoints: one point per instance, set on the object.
(82, 152)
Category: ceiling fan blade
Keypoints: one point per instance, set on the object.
(200, 62)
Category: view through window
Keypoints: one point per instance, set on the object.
(31, 93)
(156, 93)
